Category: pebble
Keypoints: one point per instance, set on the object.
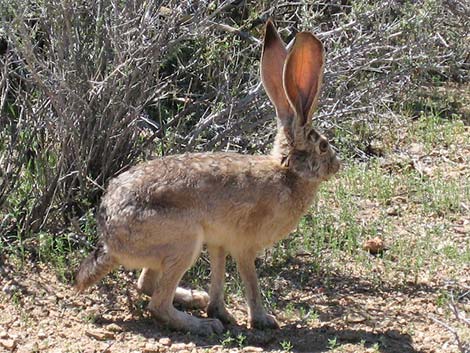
(9, 288)
(355, 318)
(178, 347)
(8, 344)
(100, 335)
(114, 328)
(151, 348)
(165, 341)
(252, 349)
(89, 350)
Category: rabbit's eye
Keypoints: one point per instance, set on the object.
(323, 146)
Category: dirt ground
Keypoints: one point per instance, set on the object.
(41, 314)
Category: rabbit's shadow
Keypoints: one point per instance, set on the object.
(289, 337)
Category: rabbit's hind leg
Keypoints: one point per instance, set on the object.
(148, 281)
(187, 298)
(179, 257)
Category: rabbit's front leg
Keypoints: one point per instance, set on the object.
(216, 307)
(257, 314)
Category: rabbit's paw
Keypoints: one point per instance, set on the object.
(182, 321)
(264, 321)
(219, 312)
(207, 327)
(194, 299)
(200, 299)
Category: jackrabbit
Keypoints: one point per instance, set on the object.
(159, 214)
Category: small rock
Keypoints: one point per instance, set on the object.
(3, 334)
(41, 334)
(355, 318)
(465, 229)
(8, 344)
(178, 347)
(52, 299)
(165, 341)
(89, 350)
(43, 346)
(33, 347)
(114, 328)
(9, 288)
(151, 348)
(58, 350)
(190, 345)
(393, 211)
(63, 334)
(252, 349)
(374, 246)
(416, 148)
(100, 335)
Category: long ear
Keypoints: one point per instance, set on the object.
(303, 73)
(272, 64)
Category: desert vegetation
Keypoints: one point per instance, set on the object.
(88, 89)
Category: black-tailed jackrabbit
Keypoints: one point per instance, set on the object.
(158, 215)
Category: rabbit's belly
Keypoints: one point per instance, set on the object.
(254, 237)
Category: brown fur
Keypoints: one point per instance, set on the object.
(158, 215)
(94, 268)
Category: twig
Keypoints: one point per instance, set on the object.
(241, 34)
(463, 347)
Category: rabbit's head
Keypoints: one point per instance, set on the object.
(292, 79)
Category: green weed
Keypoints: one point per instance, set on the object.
(227, 340)
(286, 346)
(333, 343)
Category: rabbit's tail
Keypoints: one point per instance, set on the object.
(97, 265)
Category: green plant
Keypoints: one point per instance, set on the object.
(286, 346)
(227, 340)
(376, 347)
(333, 343)
(241, 340)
